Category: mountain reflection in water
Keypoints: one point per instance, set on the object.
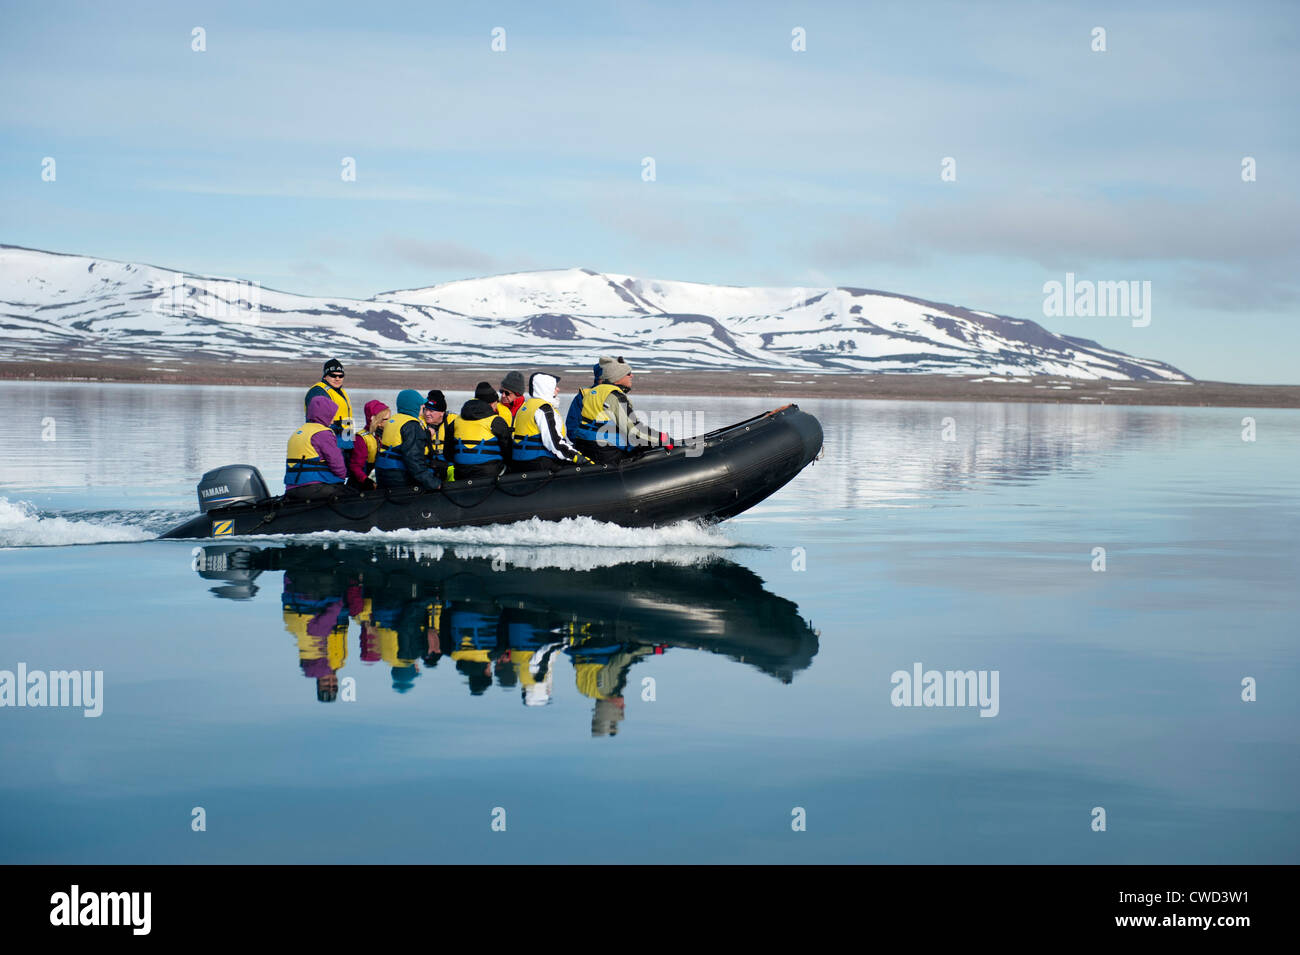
(494, 621)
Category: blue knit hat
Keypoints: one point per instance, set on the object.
(409, 401)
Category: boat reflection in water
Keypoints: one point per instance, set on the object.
(495, 618)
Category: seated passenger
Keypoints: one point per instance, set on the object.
(607, 429)
(313, 466)
(511, 397)
(478, 443)
(361, 459)
(574, 418)
(405, 457)
(539, 439)
(435, 415)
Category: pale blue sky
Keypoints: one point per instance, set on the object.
(773, 166)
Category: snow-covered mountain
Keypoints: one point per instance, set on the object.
(68, 306)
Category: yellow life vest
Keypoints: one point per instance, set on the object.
(438, 435)
(388, 458)
(593, 402)
(303, 463)
(527, 416)
(300, 446)
(504, 411)
(527, 437)
(472, 441)
(372, 446)
(391, 436)
(340, 397)
(593, 417)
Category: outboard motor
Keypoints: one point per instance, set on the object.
(233, 484)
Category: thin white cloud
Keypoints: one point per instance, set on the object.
(434, 254)
(321, 189)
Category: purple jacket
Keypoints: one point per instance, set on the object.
(321, 410)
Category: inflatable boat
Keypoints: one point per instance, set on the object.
(709, 478)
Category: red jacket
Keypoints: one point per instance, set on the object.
(514, 406)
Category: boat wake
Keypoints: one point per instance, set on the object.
(568, 531)
(573, 543)
(23, 524)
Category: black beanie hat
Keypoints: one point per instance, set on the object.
(332, 365)
(514, 382)
(435, 400)
(484, 391)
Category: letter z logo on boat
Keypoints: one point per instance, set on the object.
(222, 528)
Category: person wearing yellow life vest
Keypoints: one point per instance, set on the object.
(601, 422)
(405, 458)
(361, 459)
(511, 396)
(331, 386)
(538, 440)
(314, 466)
(439, 424)
(478, 443)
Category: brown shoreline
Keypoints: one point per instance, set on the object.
(739, 382)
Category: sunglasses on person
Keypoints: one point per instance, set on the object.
(335, 374)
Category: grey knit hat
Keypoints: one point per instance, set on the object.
(613, 369)
(514, 382)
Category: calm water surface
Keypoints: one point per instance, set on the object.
(669, 694)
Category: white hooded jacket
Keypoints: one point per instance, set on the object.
(548, 425)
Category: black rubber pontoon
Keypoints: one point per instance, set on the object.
(737, 467)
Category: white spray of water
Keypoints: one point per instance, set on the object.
(23, 525)
(568, 532)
